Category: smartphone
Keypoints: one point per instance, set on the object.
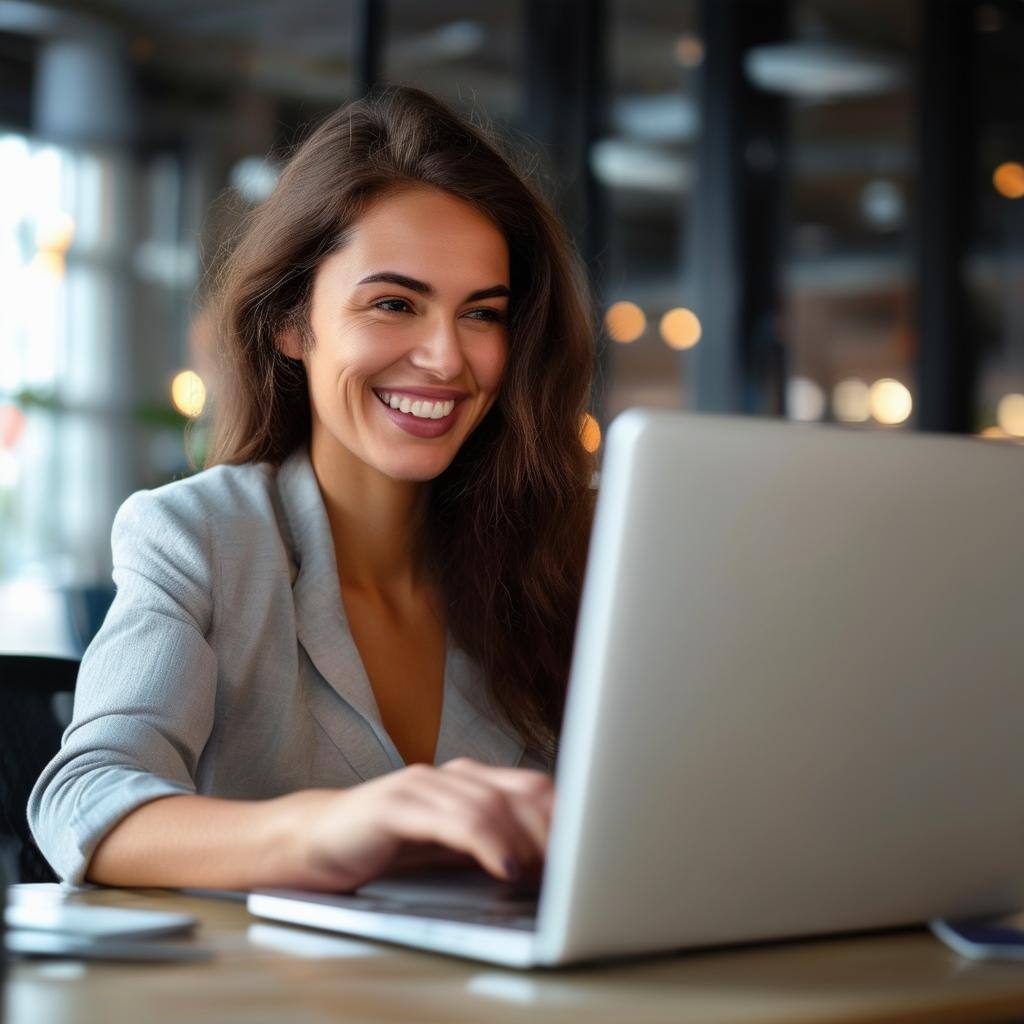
(980, 940)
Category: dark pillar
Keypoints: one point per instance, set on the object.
(19, 56)
(736, 216)
(946, 148)
(368, 35)
(564, 57)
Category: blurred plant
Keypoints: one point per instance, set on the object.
(149, 414)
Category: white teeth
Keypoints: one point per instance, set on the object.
(421, 408)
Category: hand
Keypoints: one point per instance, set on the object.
(500, 817)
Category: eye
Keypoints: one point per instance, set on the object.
(487, 314)
(387, 305)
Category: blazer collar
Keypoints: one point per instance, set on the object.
(319, 613)
(470, 725)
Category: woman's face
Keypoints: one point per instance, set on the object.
(409, 322)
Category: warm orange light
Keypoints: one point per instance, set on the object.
(625, 321)
(12, 425)
(689, 50)
(1010, 415)
(55, 233)
(590, 433)
(1008, 179)
(680, 328)
(47, 263)
(188, 393)
(890, 401)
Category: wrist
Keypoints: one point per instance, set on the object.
(286, 859)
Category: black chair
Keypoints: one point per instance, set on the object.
(30, 730)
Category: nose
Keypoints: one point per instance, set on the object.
(439, 351)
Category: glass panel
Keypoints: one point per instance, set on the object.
(646, 165)
(995, 264)
(465, 53)
(847, 298)
(141, 117)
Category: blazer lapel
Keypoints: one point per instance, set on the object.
(470, 725)
(320, 615)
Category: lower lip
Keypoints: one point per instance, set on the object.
(420, 427)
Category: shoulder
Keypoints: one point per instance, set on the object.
(190, 513)
(222, 491)
(240, 489)
(185, 535)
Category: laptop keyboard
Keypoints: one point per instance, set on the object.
(466, 897)
(517, 916)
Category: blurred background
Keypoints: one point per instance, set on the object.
(811, 209)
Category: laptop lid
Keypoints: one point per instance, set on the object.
(796, 702)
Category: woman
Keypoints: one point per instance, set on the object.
(344, 646)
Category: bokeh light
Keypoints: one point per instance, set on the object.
(850, 401)
(883, 205)
(689, 51)
(1010, 415)
(590, 433)
(680, 328)
(12, 425)
(805, 399)
(47, 263)
(625, 321)
(188, 393)
(1008, 179)
(890, 401)
(55, 232)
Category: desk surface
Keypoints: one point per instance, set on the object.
(263, 972)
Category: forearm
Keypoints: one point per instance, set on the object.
(334, 839)
(207, 842)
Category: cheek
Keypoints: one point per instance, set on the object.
(350, 362)
(489, 363)
(335, 382)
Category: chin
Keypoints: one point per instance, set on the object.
(415, 470)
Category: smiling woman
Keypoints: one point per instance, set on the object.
(344, 646)
(434, 346)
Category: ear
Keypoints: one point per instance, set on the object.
(289, 343)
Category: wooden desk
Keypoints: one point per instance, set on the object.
(281, 975)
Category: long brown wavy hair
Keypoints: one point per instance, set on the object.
(508, 522)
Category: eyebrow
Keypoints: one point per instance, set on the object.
(390, 277)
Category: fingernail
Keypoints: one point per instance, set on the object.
(511, 866)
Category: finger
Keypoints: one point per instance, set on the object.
(522, 821)
(529, 816)
(426, 821)
(466, 816)
(518, 780)
(531, 793)
(522, 827)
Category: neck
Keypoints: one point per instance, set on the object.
(375, 520)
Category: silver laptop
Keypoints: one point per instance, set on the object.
(796, 703)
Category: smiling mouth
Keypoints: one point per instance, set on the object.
(416, 406)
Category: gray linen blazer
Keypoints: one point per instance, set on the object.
(226, 666)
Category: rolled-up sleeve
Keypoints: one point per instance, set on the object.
(146, 691)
